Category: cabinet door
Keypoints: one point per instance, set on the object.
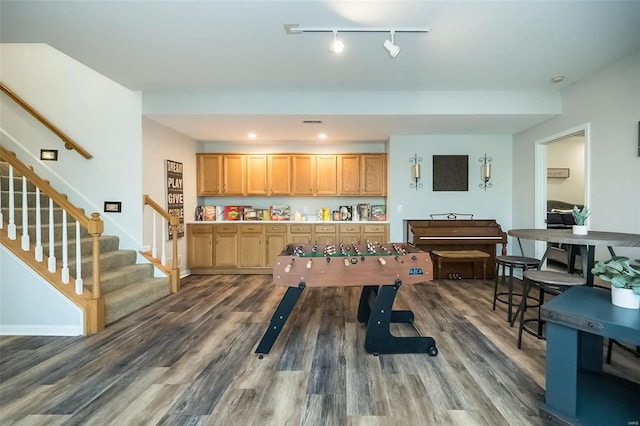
(349, 174)
(226, 250)
(200, 246)
(256, 174)
(209, 174)
(303, 181)
(234, 166)
(326, 175)
(373, 174)
(252, 250)
(275, 244)
(376, 234)
(279, 171)
(349, 234)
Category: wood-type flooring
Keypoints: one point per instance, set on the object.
(189, 360)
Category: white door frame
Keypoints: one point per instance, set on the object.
(541, 177)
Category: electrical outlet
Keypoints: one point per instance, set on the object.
(399, 209)
(305, 209)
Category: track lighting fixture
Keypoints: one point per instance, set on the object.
(337, 46)
(391, 47)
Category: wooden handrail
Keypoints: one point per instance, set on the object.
(174, 222)
(68, 142)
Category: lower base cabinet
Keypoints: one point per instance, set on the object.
(248, 248)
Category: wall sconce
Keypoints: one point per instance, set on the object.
(415, 172)
(485, 172)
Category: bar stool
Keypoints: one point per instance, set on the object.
(547, 282)
(511, 262)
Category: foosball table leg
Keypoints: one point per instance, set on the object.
(279, 318)
(379, 339)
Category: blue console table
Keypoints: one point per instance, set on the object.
(578, 392)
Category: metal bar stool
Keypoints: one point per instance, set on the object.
(511, 262)
(547, 282)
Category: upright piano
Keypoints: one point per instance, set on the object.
(458, 234)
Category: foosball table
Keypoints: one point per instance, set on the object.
(379, 269)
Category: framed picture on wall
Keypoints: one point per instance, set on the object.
(450, 172)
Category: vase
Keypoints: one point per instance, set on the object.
(580, 229)
(625, 298)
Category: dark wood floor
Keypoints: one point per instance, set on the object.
(189, 359)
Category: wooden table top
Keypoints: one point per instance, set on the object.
(593, 238)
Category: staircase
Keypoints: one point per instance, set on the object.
(125, 286)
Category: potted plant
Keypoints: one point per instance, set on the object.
(579, 217)
(624, 279)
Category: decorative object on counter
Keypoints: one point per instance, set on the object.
(298, 217)
(624, 279)
(355, 215)
(485, 171)
(364, 210)
(199, 213)
(326, 214)
(232, 213)
(378, 212)
(250, 214)
(335, 215)
(580, 216)
(209, 213)
(280, 212)
(345, 212)
(416, 174)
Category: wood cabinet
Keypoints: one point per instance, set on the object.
(326, 175)
(209, 174)
(226, 248)
(303, 174)
(325, 234)
(251, 246)
(257, 176)
(200, 246)
(300, 234)
(279, 174)
(275, 240)
(350, 234)
(375, 233)
(373, 174)
(233, 174)
(349, 174)
(291, 174)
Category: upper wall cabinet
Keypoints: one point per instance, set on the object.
(209, 174)
(373, 174)
(291, 174)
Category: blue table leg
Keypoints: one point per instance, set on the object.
(562, 370)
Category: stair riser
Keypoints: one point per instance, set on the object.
(31, 215)
(129, 276)
(107, 263)
(107, 244)
(17, 199)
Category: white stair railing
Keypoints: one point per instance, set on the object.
(166, 221)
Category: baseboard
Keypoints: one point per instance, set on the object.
(40, 330)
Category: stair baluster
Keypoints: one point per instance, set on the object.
(52, 253)
(38, 248)
(11, 229)
(26, 243)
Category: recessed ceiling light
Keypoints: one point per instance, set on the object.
(252, 135)
(322, 136)
(557, 79)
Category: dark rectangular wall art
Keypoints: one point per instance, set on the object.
(450, 172)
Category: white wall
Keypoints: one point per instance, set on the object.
(609, 101)
(494, 203)
(99, 114)
(160, 144)
(47, 313)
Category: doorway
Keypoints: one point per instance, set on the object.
(561, 174)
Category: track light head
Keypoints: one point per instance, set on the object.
(391, 47)
(337, 46)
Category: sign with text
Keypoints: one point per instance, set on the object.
(175, 196)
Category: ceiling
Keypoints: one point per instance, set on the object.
(188, 58)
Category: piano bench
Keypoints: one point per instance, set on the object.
(474, 257)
